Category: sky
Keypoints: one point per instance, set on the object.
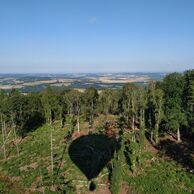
(60, 36)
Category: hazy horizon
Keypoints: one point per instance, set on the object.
(96, 72)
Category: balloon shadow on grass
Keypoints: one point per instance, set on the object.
(91, 153)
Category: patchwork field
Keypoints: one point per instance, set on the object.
(36, 82)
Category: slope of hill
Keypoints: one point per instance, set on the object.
(40, 168)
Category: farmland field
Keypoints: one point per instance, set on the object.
(37, 82)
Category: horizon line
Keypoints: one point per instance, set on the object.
(94, 72)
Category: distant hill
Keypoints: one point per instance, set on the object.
(35, 82)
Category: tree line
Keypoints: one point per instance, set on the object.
(162, 105)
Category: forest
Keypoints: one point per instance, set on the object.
(138, 139)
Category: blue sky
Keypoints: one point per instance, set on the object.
(96, 35)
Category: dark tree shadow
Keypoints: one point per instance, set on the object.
(148, 136)
(180, 152)
(32, 123)
(91, 153)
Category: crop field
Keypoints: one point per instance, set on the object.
(33, 83)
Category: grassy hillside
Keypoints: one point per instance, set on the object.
(31, 169)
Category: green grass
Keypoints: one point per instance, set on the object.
(162, 177)
(32, 168)
(7, 186)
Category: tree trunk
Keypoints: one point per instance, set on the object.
(17, 148)
(52, 157)
(4, 126)
(3, 136)
(78, 127)
(78, 110)
(133, 113)
(158, 123)
(15, 137)
(70, 110)
(50, 117)
(178, 135)
(92, 116)
(133, 123)
(156, 130)
(61, 120)
(142, 127)
(151, 136)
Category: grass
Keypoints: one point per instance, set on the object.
(162, 177)
(33, 163)
(31, 170)
(8, 186)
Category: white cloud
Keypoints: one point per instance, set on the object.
(93, 20)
